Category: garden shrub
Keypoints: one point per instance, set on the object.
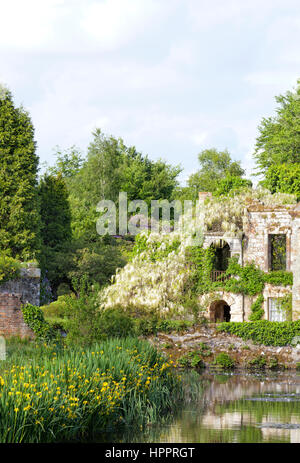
(258, 362)
(224, 361)
(192, 359)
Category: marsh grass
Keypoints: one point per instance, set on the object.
(61, 394)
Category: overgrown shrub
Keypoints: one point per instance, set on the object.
(264, 331)
(224, 361)
(192, 359)
(34, 318)
(258, 362)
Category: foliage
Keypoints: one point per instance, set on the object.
(55, 211)
(112, 167)
(224, 361)
(258, 362)
(256, 309)
(232, 185)
(286, 305)
(55, 395)
(34, 318)
(279, 136)
(215, 166)
(68, 163)
(264, 331)
(283, 178)
(148, 325)
(192, 359)
(55, 224)
(9, 268)
(19, 211)
(154, 250)
(279, 278)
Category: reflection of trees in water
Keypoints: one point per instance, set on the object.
(217, 410)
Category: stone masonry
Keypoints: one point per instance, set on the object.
(254, 246)
(13, 294)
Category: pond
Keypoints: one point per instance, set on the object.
(233, 407)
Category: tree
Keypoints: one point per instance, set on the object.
(55, 211)
(215, 165)
(283, 178)
(19, 213)
(231, 185)
(68, 162)
(112, 167)
(55, 225)
(279, 136)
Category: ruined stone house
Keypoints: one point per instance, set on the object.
(266, 225)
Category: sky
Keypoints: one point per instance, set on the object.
(171, 77)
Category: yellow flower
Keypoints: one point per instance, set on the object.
(16, 409)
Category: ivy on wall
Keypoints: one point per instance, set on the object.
(247, 280)
(34, 318)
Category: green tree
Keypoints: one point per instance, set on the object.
(279, 136)
(232, 185)
(19, 213)
(55, 225)
(283, 178)
(68, 162)
(215, 166)
(112, 167)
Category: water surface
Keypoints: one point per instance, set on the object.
(233, 407)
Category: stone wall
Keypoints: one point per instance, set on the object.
(262, 222)
(15, 293)
(11, 317)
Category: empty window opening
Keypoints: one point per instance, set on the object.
(277, 252)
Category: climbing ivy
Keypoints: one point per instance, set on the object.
(34, 318)
(247, 280)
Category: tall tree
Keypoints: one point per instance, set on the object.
(19, 214)
(112, 167)
(279, 136)
(215, 166)
(55, 226)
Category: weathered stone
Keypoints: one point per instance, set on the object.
(261, 222)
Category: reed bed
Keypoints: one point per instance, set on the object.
(50, 394)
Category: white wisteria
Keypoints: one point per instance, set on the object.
(155, 278)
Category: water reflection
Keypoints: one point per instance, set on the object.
(235, 408)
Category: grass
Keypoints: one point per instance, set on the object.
(50, 394)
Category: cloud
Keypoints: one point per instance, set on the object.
(113, 23)
(27, 25)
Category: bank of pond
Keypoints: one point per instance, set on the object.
(125, 390)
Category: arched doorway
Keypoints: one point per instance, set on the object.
(219, 311)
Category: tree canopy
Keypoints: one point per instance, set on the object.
(215, 166)
(19, 211)
(279, 136)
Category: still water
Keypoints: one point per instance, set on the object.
(235, 407)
